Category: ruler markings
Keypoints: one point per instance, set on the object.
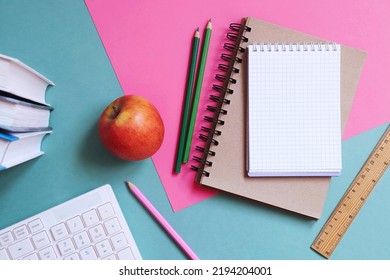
(354, 198)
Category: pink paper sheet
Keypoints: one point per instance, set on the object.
(148, 43)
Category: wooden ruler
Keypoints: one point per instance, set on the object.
(354, 198)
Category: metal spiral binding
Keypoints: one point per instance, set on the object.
(217, 98)
(222, 89)
(202, 160)
(223, 78)
(207, 138)
(216, 109)
(211, 131)
(229, 58)
(231, 47)
(236, 35)
(204, 151)
(212, 120)
(227, 68)
(283, 47)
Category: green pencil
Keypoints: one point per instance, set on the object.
(198, 87)
(187, 104)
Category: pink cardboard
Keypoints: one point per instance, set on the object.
(148, 43)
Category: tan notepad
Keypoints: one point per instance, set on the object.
(303, 195)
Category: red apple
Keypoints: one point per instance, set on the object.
(131, 128)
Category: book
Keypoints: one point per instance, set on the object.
(21, 80)
(18, 115)
(16, 148)
(293, 109)
(222, 163)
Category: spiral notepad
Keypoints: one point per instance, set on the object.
(294, 110)
(222, 161)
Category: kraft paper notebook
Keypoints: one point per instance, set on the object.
(223, 162)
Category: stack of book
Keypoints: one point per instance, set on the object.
(24, 113)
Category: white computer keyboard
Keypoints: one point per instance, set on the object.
(88, 227)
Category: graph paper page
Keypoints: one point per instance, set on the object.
(294, 110)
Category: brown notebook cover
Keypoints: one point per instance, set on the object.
(223, 166)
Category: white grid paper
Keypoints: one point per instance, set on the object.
(294, 110)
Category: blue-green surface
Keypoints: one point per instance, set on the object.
(58, 39)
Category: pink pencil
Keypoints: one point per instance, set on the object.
(162, 221)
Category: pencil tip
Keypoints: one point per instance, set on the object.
(197, 29)
(209, 24)
(130, 185)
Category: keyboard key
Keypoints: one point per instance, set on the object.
(6, 238)
(112, 226)
(59, 231)
(75, 224)
(20, 248)
(110, 257)
(65, 246)
(21, 232)
(40, 240)
(74, 256)
(106, 211)
(90, 218)
(104, 248)
(97, 233)
(35, 225)
(31, 257)
(4, 255)
(125, 254)
(119, 241)
(88, 254)
(47, 254)
(81, 239)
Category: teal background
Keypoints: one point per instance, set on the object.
(59, 40)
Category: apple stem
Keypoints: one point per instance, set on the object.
(115, 112)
